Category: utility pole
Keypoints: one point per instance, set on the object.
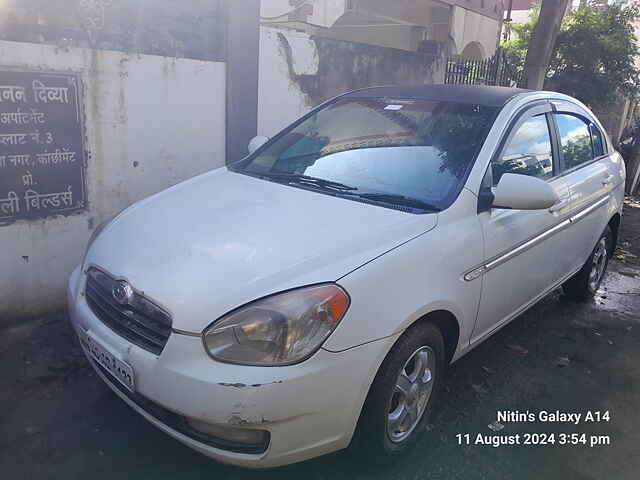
(543, 39)
(507, 22)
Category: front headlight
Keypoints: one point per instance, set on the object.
(282, 329)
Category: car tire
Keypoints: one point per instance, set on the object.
(585, 283)
(410, 377)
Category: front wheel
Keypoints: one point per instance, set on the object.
(586, 282)
(401, 397)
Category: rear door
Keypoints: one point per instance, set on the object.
(522, 248)
(587, 168)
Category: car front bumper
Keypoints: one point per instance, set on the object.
(309, 409)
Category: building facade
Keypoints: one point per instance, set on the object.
(463, 27)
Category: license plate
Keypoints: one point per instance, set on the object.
(119, 369)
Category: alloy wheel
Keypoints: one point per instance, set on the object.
(598, 264)
(411, 394)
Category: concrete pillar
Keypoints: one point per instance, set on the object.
(243, 50)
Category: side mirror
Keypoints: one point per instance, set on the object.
(522, 192)
(256, 143)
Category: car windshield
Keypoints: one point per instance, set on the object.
(404, 153)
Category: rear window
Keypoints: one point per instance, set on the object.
(580, 141)
(401, 147)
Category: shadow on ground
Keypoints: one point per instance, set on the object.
(59, 421)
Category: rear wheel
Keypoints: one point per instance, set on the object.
(402, 395)
(586, 282)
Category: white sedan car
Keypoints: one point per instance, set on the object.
(315, 291)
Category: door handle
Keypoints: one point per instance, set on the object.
(607, 180)
(559, 206)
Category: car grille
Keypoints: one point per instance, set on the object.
(140, 321)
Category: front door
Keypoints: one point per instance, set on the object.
(521, 259)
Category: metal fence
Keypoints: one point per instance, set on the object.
(494, 70)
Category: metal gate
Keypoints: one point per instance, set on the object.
(494, 70)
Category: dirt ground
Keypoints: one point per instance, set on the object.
(59, 421)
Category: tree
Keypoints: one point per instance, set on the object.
(594, 54)
(543, 39)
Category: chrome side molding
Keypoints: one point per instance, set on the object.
(501, 258)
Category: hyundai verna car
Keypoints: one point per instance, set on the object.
(314, 292)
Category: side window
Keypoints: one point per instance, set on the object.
(575, 140)
(598, 141)
(528, 151)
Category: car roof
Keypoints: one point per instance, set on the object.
(476, 94)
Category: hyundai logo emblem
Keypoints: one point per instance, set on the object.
(122, 292)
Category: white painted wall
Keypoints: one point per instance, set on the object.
(274, 8)
(280, 100)
(325, 12)
(167, 114)
(520, 16)
(468, 26)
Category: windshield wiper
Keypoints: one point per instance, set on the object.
(306, 180)
(399, 200)
(347, 190)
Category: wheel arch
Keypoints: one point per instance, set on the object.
(448, 325)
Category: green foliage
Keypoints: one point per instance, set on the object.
(594, 56)
(516, 48)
